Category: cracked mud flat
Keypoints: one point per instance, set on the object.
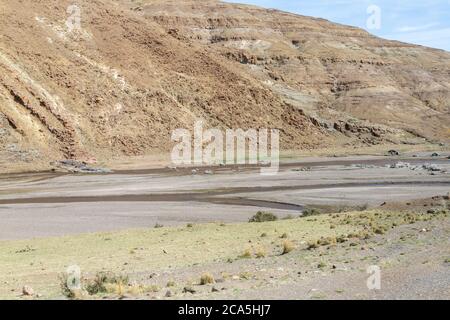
(45, 205)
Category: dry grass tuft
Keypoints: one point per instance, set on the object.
(171, 283)
(288, 246)
(207, 278)
(106, 282)
(313, 245)
(261, 252)
(246, 254)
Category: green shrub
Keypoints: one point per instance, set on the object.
(65, 287)
(102, 280)
(262, 216)
(307, 212)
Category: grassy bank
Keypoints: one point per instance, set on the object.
(40, 262)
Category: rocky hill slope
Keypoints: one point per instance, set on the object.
(136, 70)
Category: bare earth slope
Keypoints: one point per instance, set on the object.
(136, 70)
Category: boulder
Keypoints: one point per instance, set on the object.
(393, 153)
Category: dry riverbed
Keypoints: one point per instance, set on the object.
(184, 233)
(48, 205)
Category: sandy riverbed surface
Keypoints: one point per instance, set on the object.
(52, 204)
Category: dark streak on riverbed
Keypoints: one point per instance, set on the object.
(212, 196)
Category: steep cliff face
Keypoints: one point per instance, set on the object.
(136, 70)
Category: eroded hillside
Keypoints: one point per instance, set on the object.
(136, 70)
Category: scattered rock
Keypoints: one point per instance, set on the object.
(75, 166)
(27, 291)
(302, 169)
(169, 294)
(189, 289)
(432, 168)
(400, 165)
(435, 154)
(214, 289)
(363, 166)
(393, 153)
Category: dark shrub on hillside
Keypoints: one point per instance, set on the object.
(263, 217)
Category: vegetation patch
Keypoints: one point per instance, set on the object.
(308, 212)
(247, 254)
(288, 246)
(261, 252)
(103, 282)
(262, 216)
(207, 278)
